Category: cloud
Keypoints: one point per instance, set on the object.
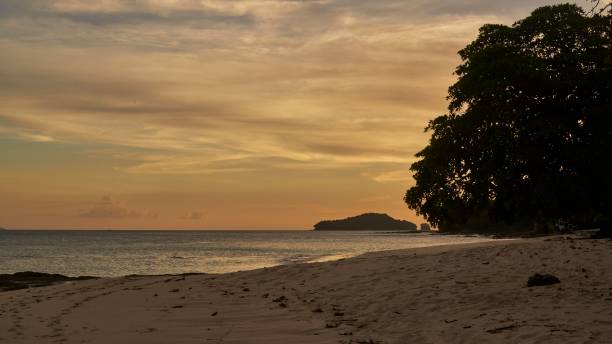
(391, 176)
(285, 111)
(200, 87)
(22, 130)
(108, 208)
(36, 138)
(257, 26)
(193, 215)
(121, 12)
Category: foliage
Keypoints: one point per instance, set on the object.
(528, 134)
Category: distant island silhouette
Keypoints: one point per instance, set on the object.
(366, 222)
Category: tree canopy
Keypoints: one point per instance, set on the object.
(527, 136)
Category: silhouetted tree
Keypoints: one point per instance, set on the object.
(528, 134)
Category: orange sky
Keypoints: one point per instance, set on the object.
(221, 114)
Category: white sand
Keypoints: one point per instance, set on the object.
(473, 293)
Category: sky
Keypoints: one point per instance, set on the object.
(222, 114)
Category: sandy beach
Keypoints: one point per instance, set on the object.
(448, 294)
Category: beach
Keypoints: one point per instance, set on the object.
(445, 294)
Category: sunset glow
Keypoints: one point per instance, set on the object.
(224, 114)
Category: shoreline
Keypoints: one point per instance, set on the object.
(433, 294)
(39, 277)
(179, 258)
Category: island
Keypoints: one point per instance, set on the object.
(366, 222)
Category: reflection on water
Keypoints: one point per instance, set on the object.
(116, 253)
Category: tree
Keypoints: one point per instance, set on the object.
(528, 134)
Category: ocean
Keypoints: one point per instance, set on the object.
(119, 253)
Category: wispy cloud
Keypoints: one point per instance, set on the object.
(403, 176)
(327, 82)
(108, 208)
(194, 215)
(270, 94)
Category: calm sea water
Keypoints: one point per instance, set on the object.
(116, 253)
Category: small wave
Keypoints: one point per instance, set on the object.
(298, 258)
(24, 256)
(178, 257)
(302, 258)
(330, 257)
